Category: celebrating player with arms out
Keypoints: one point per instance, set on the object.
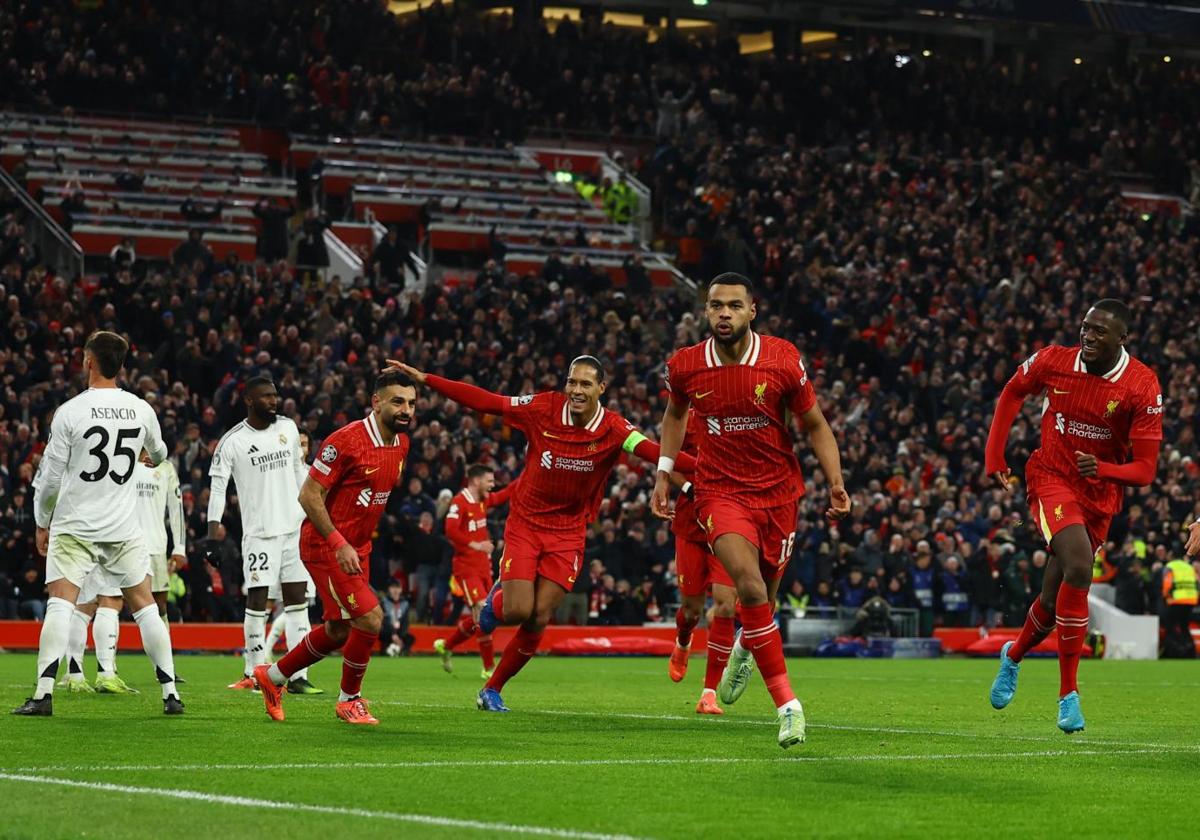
(742, 386)
(467, 530)
(344, 495)
(699, 571)
(1100, 404)
(573, 445)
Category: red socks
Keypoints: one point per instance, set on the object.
(464, 631)
(683, 628)
(312, 649)
(720, 645)
(519, 651)
(1071, 610)
(1038, 624)
(761, 637)
(356, 655)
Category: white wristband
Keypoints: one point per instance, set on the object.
(666, 464)
(687, 485)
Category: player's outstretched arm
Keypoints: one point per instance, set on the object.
(1007, 408)
(824, 445)
(312, 499)
(674, 427)
(476, 399)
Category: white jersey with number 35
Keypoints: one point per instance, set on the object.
(83, 486)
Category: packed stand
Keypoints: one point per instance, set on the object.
(450, 71)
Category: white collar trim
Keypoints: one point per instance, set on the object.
(1114, 375)
(750, 357)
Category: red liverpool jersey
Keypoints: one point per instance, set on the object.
(566, 466)
(466, 522)
(684, 526)
(1084, 412)
(745, 440)
(359, 472)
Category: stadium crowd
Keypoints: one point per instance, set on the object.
(449, 71)
(915, 269)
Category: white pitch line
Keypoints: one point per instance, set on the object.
(583, 762)
(248, 802)
(705, 720)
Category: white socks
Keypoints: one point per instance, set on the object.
(794, 705)
(254, 628)
(157, 645)
(295, 618)
(276, 675)
(343, 696)
(739, 653)
(77, 644)
(52, 644)
(105, 629)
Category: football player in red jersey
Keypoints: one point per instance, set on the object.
(1101, 430)
(346, 492)
(471, 578)
(700, 572)
(745, 388)
(573, 445)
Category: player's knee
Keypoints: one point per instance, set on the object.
(338, 631)
(372, 622)
(725, 608)
(256, 598)
(111, 603)
(484, 637)
(1077, 575)
(516, 613)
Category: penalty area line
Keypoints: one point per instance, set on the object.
(249, 802)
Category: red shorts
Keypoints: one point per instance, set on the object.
(471, 588)
(530, 554)
(771, 530)
(343, 596)
(1055, 506)
(698, 568)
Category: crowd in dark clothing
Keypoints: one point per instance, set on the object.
(447, 70)
(968, 223)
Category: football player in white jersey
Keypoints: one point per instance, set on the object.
(85, 507)
(158, 493)
(262, 455)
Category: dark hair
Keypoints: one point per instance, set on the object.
(254, 381)
(477, 470)
(1117, 309)
(589, 360)
(393, 377)
(109, 350)
(732, 278)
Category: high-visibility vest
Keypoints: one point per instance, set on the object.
(1182, 584)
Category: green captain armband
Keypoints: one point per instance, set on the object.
(631, 442)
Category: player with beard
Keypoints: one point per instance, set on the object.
(573, 445)
(345, 494)
(745, 388)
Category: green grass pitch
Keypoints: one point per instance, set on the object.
(607, 747)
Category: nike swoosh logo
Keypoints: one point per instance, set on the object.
(1061, 392)
(554, 437)
(1069, 638)
(370, 472)
(701, 396)
(759, 647)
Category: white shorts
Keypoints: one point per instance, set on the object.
(272, 560)
(275, 590)
(98, 583)
(124, 564)
(159, 577)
